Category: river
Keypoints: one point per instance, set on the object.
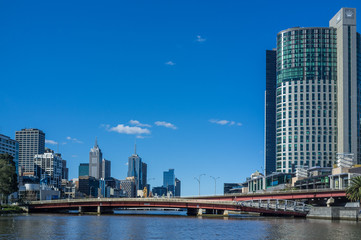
(171, 225)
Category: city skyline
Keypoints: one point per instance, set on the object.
(197, 81)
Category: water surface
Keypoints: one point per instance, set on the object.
(171, 225)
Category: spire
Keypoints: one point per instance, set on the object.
(135, 148)
(96, 142)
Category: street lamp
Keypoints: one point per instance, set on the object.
(215, 184)
(199, 182)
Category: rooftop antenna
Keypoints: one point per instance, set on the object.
(96, 142)
(135, 147)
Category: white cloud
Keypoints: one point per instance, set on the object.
(73, 140)
(51, 142)
(200, 39)
(165, 124)
(137, 123)
(225, 122)
(170, 63)
(124, 129)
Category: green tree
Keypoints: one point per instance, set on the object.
(353, 192)
(8, 177)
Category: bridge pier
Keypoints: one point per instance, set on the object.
(225, 213)
(217, 212)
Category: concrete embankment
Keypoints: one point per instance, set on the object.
(336, 213)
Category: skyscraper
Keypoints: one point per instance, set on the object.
(144, 174)
(136, 169)
(270, 112)
(49, 167)
(83, 169)
(106, 169)
(177, 188)
(169, 180)
(317, 94)
(11, 147)
(31, 142)
(95, 161)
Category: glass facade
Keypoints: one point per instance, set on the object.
(270, 112)
(306, 99)
(169, 180)
(358, 98)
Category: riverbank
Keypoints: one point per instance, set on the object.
(336, 213)
(9, 209)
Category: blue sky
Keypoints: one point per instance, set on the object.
(84, 69)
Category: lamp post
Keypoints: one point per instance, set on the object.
(215, 184)
(199, 182)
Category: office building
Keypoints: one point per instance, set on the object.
(11, 147)
(106, 169)
(317, 95)
(65, 173)
(137, 169)
(169, 180)
(144, 175)
(89, 186)
(84, 169)
(159, 191)
(177, 188)
(31, 142)
(49, 168)
(270, 113)
(128, 187)
(95, 161)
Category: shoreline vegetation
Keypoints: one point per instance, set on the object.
(9, 209)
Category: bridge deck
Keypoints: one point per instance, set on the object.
(69, 204)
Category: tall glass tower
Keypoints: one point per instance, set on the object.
(317, 94)
(95, 161)
(138, 170)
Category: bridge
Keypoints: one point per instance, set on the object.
(193, 206)
(284, 195)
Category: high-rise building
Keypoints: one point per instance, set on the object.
(177, 188)
(317, 94)
(65, 173)
(83, 169)
(270, 112)
(89, 186)
(106, 169)
(128, 187)
(31, 142)
(11, 147)
(169, 180)
(49, 168)
(136, 169)
(95, 161)
(144, 174)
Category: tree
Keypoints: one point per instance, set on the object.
(8, 177)
(353, 192)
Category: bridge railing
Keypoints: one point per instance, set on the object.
(277, 205)
(285, 191)
(140, 200)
